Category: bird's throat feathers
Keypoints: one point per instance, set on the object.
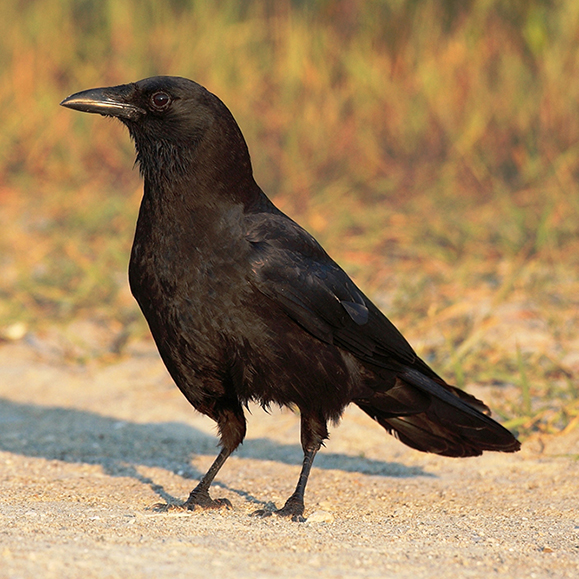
(162, 163)
(201, 168)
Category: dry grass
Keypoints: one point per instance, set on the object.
(431, 146)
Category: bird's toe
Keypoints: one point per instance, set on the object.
(262, 513)
(204, 501)
(292, 509)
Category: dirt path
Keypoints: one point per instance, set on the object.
(85, 453)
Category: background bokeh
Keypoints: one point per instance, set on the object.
(430, 145)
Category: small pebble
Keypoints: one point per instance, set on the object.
(14, 332)
(320, 517)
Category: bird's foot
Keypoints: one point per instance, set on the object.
(293, 508)
(165, 507)
(202, 500)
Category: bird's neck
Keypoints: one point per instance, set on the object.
(211, 170)
(192, 191)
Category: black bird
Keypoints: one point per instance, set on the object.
(244, 305)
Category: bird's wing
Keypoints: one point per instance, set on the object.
(291, 268)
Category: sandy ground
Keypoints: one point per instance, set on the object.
(85, 452)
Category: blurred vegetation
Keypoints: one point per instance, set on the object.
(430, 145)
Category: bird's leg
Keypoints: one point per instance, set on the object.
(313, 433)
(199, 496)
(231, 424)
(294, 506)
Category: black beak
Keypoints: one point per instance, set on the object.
(113, 101)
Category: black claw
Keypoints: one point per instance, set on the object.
(204, 501)
(296, 514)
(292, 509)
(262, 513)
(162, 507)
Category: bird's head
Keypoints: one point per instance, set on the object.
(180, 128)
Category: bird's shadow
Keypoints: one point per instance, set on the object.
(120, 447)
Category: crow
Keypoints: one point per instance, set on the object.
(245, 305)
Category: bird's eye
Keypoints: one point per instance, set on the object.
(160, 101)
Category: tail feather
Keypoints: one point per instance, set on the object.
(452, 423)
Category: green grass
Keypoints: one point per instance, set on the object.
(431, 146)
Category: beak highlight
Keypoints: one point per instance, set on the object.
(110, 102)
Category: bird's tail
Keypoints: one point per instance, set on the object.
(435, 417)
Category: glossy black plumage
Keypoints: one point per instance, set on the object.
(244, 305)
